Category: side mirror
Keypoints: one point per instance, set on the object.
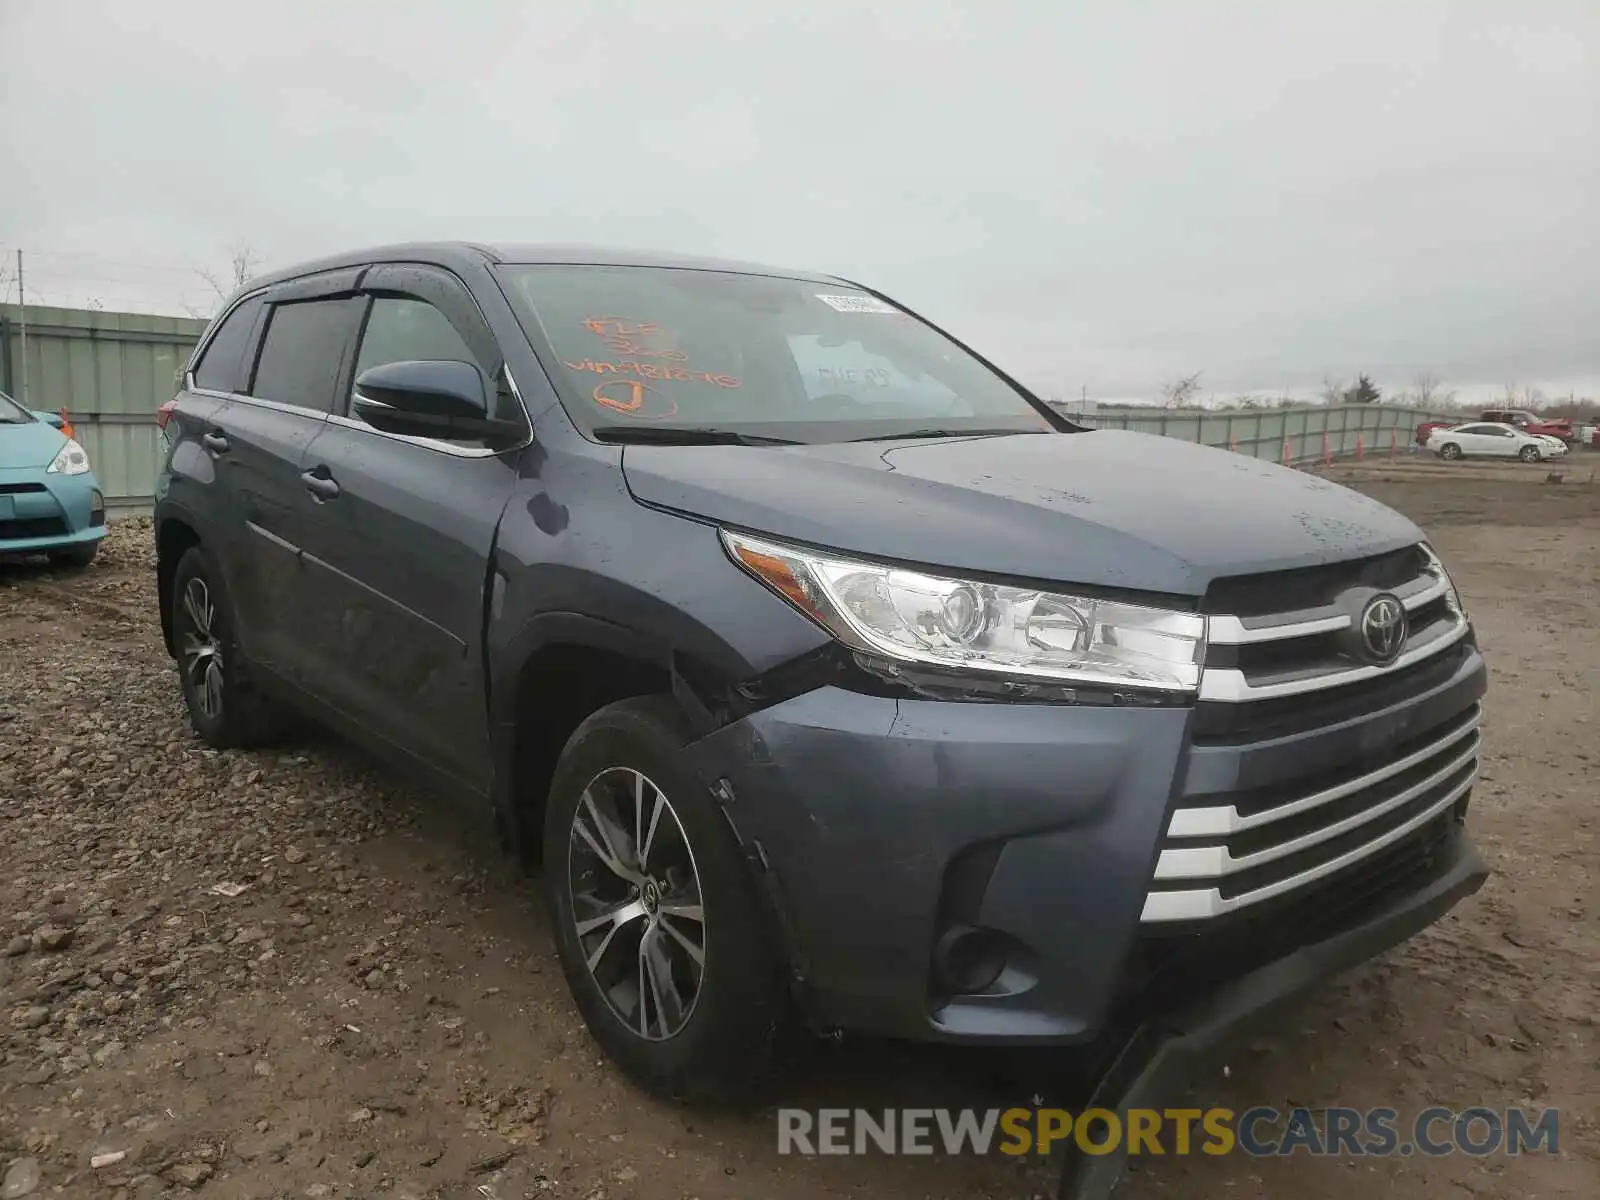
(432, 398)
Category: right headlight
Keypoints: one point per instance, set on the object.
(969, 625)
(71, 459)
(1437, 569)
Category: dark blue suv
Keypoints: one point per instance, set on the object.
(829, 673)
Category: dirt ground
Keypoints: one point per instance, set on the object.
(290, 974)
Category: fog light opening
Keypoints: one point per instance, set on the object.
(968, 960)
(97, 508)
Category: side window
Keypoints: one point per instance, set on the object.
(303, 352)
(401, 329)
(221, 367)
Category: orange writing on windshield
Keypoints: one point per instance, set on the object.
(634, 398)
(632, 337)
(656, 371)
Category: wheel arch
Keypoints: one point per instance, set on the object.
(175, 536)
(559, 670)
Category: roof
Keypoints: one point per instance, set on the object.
(462, 254)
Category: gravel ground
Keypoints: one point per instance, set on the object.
(289, 974)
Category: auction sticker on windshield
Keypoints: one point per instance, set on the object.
(856, 304)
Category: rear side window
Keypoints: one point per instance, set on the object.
(221, 367)
(304, 350)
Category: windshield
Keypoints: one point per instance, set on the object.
(12, 413)
(786, 359)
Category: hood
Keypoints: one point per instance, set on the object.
(30, 445)
(1105, 508)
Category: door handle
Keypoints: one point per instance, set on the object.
(323, 487)
(216, 442)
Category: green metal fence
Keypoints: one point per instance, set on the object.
(1294, 435)
(110, 372)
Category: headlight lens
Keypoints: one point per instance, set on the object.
(71, 459)
(1436, 567)
(965, 624)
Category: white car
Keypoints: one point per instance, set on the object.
(1487, 439)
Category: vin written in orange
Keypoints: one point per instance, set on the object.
(656, 371)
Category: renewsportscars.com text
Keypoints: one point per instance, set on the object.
(1259, 1132)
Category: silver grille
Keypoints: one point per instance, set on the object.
(1240, 851)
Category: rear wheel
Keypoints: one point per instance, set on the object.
(1529, 454)
(78, 556)
(660, 932)
(225, 707)
(1450, 450)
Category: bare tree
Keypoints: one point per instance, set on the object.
(1431, 392)
(1333, 390)
(242, 267)
(1182, 392)
(243, 264)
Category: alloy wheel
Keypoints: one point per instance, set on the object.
(202, 648)
(636, 902)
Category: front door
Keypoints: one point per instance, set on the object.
(399, 548)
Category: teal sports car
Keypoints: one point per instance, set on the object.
(50, 501)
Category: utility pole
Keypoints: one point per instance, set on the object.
(22, 309)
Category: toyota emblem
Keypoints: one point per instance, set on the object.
(1383, 628)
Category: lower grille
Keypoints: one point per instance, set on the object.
(1171, 964)
(33, 527)
(1220, 858)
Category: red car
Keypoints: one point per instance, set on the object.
(1532, 423)
(1428, 427)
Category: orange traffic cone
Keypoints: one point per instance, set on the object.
(1394, 442)
(1327, 454)
(1361, 449)
(1233, 443)
(1286, 452)
(66, 422)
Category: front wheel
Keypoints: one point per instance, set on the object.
(78, 556)
(1529, 454)
(660, 932)
(1450, 451)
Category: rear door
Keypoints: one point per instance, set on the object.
(259, 439)
(399, 551)
(189, 484)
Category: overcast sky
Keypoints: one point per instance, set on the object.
(1100, 195)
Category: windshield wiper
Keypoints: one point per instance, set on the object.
(939, 433)
(678, 435)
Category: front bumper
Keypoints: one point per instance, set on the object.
(1162, 1056)
(41, 512)
(879, 827)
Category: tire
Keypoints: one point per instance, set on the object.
(1450, 451)
(1529, 454)
(78, 556)
(703, 1035)
(225, 707)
